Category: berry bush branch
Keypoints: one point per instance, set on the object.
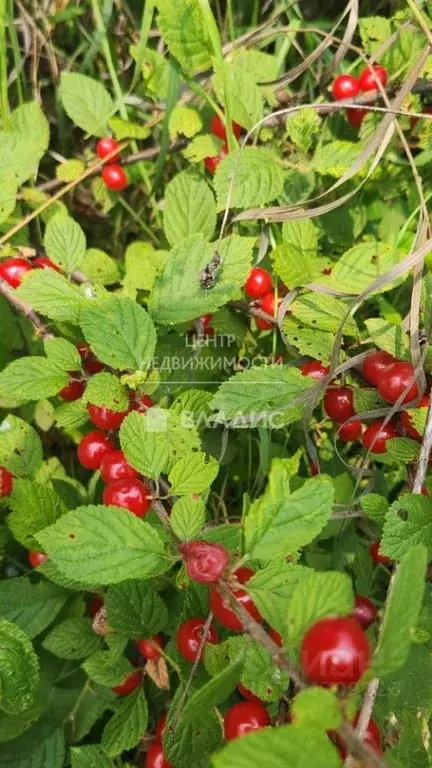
(25, 309)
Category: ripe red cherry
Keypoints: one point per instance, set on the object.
(223, 612)
(149, 647)
(315, 370)
(368, 80)
(114, 177)
(407, 422)
(160, 726)
(258, 283)
(129, 684)
(189, 635)
(43, 262)
(107, 145)
(92, 448)
(105, 418)
(345, 87)
(245, 717)
(142, 403)
(375, 365)
(376, 435)
(355, 117)
(13, 270)
(205, 562)
(268, 304)
(114, 466)
(372, 737)
(350, 432)
(335, 651)
(338, 404)
(211, 163)
(132, 495)
(155, 757)
(6, 482)
(36, 558)
(376, 555)
(247, 694)
(206, 320)
(94, 606)
(90, 362)
(263, 325)
(364, 612)
(72, 391)
(218, 129)
(398, 376)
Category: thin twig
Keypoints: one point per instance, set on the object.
(365, 715)
(195, 665)
(25, 309)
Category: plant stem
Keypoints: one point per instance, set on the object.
(4, 101)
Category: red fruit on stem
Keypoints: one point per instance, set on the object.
(94, 606)
(350, 432)
(376, 555)
(397, 378)
(258, 284)
(160, 726)
(189, 637)
(105, 418)
(92, 448)
(36, 558)
(372, 737)
(155, 757)
(217, 128)
(206, 320)
(72, 391)
(247, 694)
(205, 562)
(211, 163)
(355, 117)
(13, 270)
(315, 370)
(375, 365)
(142, 403)
(223, 612)
(407, 422)
(43, 262)
(150, 647)
(263, 325)
(6, 482)
(338, 404)
(345, 87)
(129, 684)
(132, 495)
(114, 177)
(90, 362)
(369, 78)
(245, 717)
(276, 637)
(376, 435)
(335, 651)
(114, 466)
(107, 145)
(268, 304)
(364, 612)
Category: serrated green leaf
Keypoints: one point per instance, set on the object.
(102, 195)
(317, 596)
(244, 96)
(105, 389)
(135, 609)
(408, 522)
(31, 606)
(213, 692)
(309, 341)
(143, 263)
(91, 756)
(99, 267)
(63, 354)
(187, 517)
(375, 506)
(271, 590)
(189, 208)
(30, 378)
(24, 143)
(52, 295)
(403, 449)
(107, 668)
(39, 747)
(334, 158)
(258, 178)
(366, 400)
(184, 120)
(361, 265)
(127, 725)
(294, 259)
(374, 30)
(260, 66)
(71, 415)
(259, 674)
(29, 121)
(72, 639)
(124, 129)
(391, 338)
(318, 707)
(8, 192)
(190, 744)
(302, 128)
(186, 34)
(65, 242)
(70, 170)
(19, 670)
(20, 447)
(323, 312)
(201, 147)
(34, 506)
(104, 545)
(12, 726)
(192, 474)
(86, 102)
(144, 446)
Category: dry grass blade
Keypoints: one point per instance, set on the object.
(346, 41)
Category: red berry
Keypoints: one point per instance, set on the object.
(223, 612)
(335, 651)
(114, 466)
(247, 694)
(90, 362)
(218, 129)
(263, 325)
(372, 737)
(189, 635)
(376, 555)
(268, 304)
(376, 435)
(245, 717)
(313, 469)
(205, 562)
(114, 177)
(160, 726)
(142, 403)
(350, 432)
(43, 262)
(105, 418)
(338, 404)
(315, 369)
(13, 270)
(132, 495)
(375, 365)
(6, 482)
(275, 636)
(368, 80)
(149, 647)
(155, 757)
(406, 419)
(72, 391)
(206, 320)
(129, 684)
(398, 377)
(105, 146)
(94, 606)
(211, 163)
(345, 87)
(355, 117)
(364, 612)
(258, 283)
(92, 448)
(36, 558)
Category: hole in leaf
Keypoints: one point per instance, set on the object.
(71, 536)
(402, 513)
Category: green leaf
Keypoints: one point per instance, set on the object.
(391, 338)
(186, 34)
(318, 595)
(178, 295)
(12, 726)
(374, 30)
(403, 606)
(271, 590)
(91, 756)
(128, 724)
(201, 147)
(143, 263)
(279, 522)
(191, 744)
(244, 96)
(23, 145)
(187, 517)
(65, 242)
(366, 400)
(375, 506)
(260, 66)
(124, 129)
(184, 120)
(31, 606)
(408, 522)
(294, 259)
(259, 674)
(70, 170)
(63, 354)
(317, 707)
(403, 449)
(323, 312)
(34, 506)
(302, 128)
(120, 332)
(104, 545)
(99, 267)
(107, 668)
(334, 158)
(19, 670)
(40, 747)
(8, 192)
(192, 474)
(105, 389)
(29, 121)
(135, 609)
(20, 447)
(309, 341)
(144, 446)
(189, 208)
(86, 102)
(71, 415)
(72, 639)
(258, 178)
(52, 295)
(361, 265)
(212, 693)
(31, 378)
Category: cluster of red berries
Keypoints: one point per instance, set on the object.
(113, 175)
(217, 128)
(13, 270)
(348, 87)
(259, 287)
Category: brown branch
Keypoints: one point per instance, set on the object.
(25, 309)
(249, 309)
